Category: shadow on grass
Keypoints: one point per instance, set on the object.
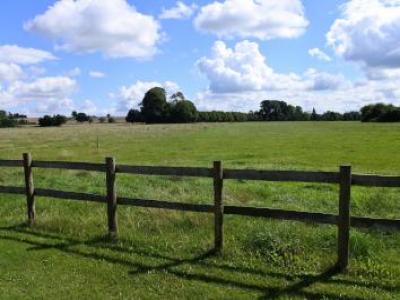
(296, 287)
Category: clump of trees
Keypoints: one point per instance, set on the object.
(380, 112)
(155, 108)
(81, 117)
(56, 120)
(12, 120)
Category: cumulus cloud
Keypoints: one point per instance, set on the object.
(316, 81)
(13, 54)
(239, 78)
(75, 72)
(262, 19)
(112, 27)
(319, 54)
(88, 107)
(10, 72)
(97, 74)
(179, 11)
(351, 97)
(130, 96)
(51, 92)
(244, 68)
(368, 32)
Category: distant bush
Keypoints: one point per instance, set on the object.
(7, 120)
(56, 120)
(380, 112)
(82, 117)
(102, 119)
(183, 111)
(133, 116)
(154, 106)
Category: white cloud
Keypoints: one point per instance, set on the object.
(88, 107)
(112, 27)
(319, 54)
(10, 72)
(318, 81)
(240, 78)
(130, 96)
(351, 97)
(53, 106)
(262, 19)
(75, 72)
(51, 94)
(368, 32)
(23, 56)
(243, 68)
(97, 74)
(179, 11)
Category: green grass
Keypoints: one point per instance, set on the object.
(165, 254)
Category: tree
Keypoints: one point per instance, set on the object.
(7, 120)
(154, 106)
(178, 96)
(183, 111)
(74, 114)
(379, 112)
(351, 116)
(81, 117)
(314, 115)
(56, 120)
(134, 115)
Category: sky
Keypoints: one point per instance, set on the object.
(101, 56)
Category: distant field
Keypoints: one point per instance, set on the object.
(163, 253)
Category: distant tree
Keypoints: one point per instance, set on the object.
(74, 114)
(134, 115)
(331, 116)
(56, 120)
(378, 112)
(178, 96)
(314, 115)
(352, 116)
(110, 119)
(7, 120)
(90, 119)
(183, 111)
(82, 117)
(154, 106)
(102, 119)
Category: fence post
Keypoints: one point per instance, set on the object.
(218, 207)
(29, 187)
(344, 217)
(111, 197)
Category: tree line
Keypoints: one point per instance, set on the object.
(11, 120)
(155, 108)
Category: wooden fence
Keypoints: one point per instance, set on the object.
(344, 178)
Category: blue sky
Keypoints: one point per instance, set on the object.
(101, 56)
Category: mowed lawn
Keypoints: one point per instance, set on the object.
(165, 254)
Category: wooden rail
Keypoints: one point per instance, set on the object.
(343, 220)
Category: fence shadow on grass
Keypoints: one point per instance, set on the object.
(296, 287)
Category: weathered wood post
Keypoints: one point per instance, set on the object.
(344, 217)
(111, 197)
(218, 207)
(29, 187)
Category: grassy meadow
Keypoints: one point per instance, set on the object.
(165, 254)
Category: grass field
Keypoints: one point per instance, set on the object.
(165, 254)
